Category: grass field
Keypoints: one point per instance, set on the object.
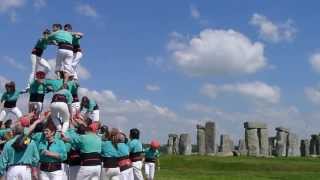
(237, 168)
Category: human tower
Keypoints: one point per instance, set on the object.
(67, 141)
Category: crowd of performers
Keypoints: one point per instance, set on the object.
(67, 141)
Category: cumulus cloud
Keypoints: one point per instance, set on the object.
(194, 12)
(315, 62)
(152, 87)
(313, 94)
(39, 3)
(217, 52)
(13, 63)
(9, 7)
(257, 90)
(86, 10)
(273, 32)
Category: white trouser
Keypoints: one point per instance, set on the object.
(137, 173)
(89, 173)
(55, 175)
(64, 61)
(19, 173)
(37, 106)
(60, 114)
(16, 111)
(38, 64)
(77, 56)
(73, 171)
(94, 115)
(149, 169)
(110, 174)
(75, 107)
(126, 174)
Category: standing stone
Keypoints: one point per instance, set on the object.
(272, 146)
(252, 142)
(293, 145)
(210, 131)
(282, 140)
(185, 146)
(242, 147)
(264, 142)
(170, 145)
(201, 140)
(305, 147)
(175, 149)
(314, 144)
(226, 144)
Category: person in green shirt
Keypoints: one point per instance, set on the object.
(77, 51)
(136, 153)
(52, 152)
(152, 159)
(9, 101)
(64, 59)
(39, 63)
(37, 92)
(61, 110)
(90, 149)
(92, 109)
(73, 86)
(20, 154)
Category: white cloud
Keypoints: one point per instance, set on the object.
(217, 52)
(194, 11)
(87, 10)
(315, 62)
(271, 31)
(257, 90)
(152, 87)
(39, 3)
(12, 62)
(7, 5)
(313, 94)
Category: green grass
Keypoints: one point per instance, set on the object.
(237, 168)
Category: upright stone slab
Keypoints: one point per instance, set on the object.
(314, 144)
(282, 141)
(226, 144)
(210, 129)
(272, 146)
(185, 146)
(201, 140)
(242, 147)
(252, 142)
(305, 148)
(293, 145)
(175, 149)
(264, 142)
(170, 144)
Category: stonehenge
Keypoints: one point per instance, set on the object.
(201, 141)
(256, 138)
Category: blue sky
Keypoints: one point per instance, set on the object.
(164, 66)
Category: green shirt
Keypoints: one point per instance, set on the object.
(72, 135)
(55, 84)
(108, 150)
(57, 146)
(12, 96)
(73, 87)
(42, 43)
(10, 156)
(4, 131)
(90, 105)
(152, 154)
(135, 146)
(67, 94)
(76, 40)
(61, 37)
(37, 88)
(89, 143)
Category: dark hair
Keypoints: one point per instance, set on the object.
(134, 133)
(21, 143)
(67, 27)
(11, 84)
(47, 31)
(59, 26)
(81, 129)
(105, 131)
(39, 127)
(50, 125)
(8, 123)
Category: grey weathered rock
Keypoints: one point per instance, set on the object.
(282, 141)
(185, 146)
(255, 125)
(252, 142)
(282, 129)
(210, 130)
(201, 141)
(264, 142)
(226, 144)
(242, 147)
(293, 145)
(272, 146)
(305, 147)
(314, 144)
(172, 146)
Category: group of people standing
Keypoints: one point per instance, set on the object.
(66, 141)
